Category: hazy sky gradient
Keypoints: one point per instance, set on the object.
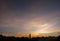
(41, 16)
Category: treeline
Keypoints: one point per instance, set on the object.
(4, 38)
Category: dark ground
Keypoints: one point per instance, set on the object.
(4, 38)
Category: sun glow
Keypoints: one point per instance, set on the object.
(43, 28)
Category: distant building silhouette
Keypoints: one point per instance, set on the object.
(29, 35)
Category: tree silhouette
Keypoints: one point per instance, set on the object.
(11, 38)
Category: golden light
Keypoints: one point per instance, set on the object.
(44, 28)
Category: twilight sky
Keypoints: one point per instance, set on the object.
(41, 16)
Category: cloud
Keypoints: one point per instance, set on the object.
(34, 22)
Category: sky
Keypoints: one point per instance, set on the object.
(27, 16)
